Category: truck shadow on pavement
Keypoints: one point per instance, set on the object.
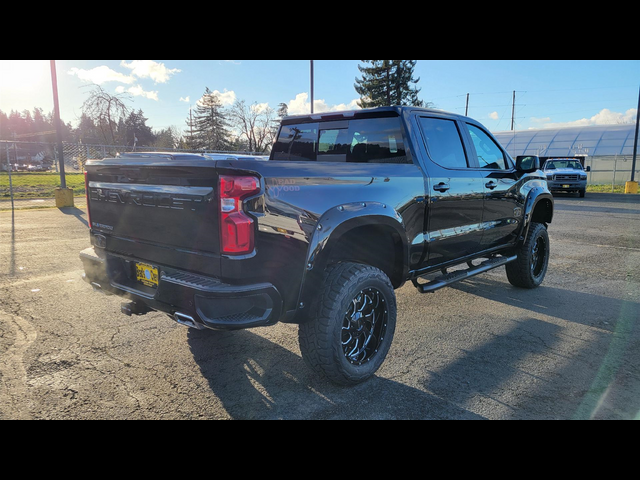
(570, 305)
(275, 383)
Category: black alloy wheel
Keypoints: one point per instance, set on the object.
(538, 256)
(364, 326)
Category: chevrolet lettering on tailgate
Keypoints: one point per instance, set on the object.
(177, 198)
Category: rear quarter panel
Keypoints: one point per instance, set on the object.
(297, 213)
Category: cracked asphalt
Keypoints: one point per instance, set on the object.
(481, 349)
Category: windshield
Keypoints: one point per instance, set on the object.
(555, 164)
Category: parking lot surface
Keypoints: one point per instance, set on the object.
(481, 349)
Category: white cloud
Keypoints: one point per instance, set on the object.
(100, 75)
(494, 116)
(184, 99)
(228, 97)
(603, 117)
(259, 107)
(137, 91)
(158, 72)
(301, 105)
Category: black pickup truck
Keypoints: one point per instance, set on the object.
(348, 207)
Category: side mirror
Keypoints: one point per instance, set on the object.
(527, 163)
(588, 169)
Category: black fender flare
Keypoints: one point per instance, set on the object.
(332, 225)
(535, 196)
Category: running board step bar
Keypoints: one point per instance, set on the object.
(458, 275)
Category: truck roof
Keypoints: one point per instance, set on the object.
(393, 111)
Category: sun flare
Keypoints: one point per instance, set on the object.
(21, 75)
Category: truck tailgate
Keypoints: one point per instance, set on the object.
(157, 212)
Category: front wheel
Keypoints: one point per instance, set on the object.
(352, 323)
(530, 268)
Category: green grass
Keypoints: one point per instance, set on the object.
(605, 188)
(38, 184)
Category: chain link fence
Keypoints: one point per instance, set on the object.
(611, 171)
(30, 171)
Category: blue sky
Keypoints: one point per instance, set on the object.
(549, 93)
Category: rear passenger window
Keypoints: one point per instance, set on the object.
(376, 140)
(371, 140)
(443, 142)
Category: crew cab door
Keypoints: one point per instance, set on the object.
(502, 210)
(455, 191)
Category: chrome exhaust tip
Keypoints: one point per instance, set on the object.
(187, 320)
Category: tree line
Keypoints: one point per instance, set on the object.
(107, 119)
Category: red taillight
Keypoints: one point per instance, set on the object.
(86, 192)
(236, 228)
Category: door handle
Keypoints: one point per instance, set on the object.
(441, 187)
(491, 185)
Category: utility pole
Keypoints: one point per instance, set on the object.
(632, 186)
(311, 76)
(56, 113)
(513, 108)
(635, 141)
(466, 109)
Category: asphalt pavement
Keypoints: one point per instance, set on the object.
(481, 349)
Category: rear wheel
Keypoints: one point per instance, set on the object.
(530, 268)
(351, 325)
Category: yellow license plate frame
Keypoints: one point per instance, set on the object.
(566, 186)
(147, 274)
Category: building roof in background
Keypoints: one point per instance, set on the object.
(592, 140)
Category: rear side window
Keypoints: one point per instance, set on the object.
(443, 142)
(371, 140)
(296, 142)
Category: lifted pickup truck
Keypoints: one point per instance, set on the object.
(348, 207)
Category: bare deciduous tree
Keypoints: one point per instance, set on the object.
(254, 124)
(105, 110)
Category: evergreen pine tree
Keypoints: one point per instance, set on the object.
(386, 83)
(190, 140)
(209, 123)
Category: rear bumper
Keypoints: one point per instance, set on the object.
(195, 300)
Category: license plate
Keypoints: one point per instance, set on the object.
(147, 275)
(566, 186)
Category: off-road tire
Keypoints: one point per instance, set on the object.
(324, 337)
(530, 268)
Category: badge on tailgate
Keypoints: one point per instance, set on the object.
(147, 275)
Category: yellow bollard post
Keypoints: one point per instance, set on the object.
(631, 187)
(64, 197)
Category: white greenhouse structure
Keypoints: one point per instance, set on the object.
(607, 149)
